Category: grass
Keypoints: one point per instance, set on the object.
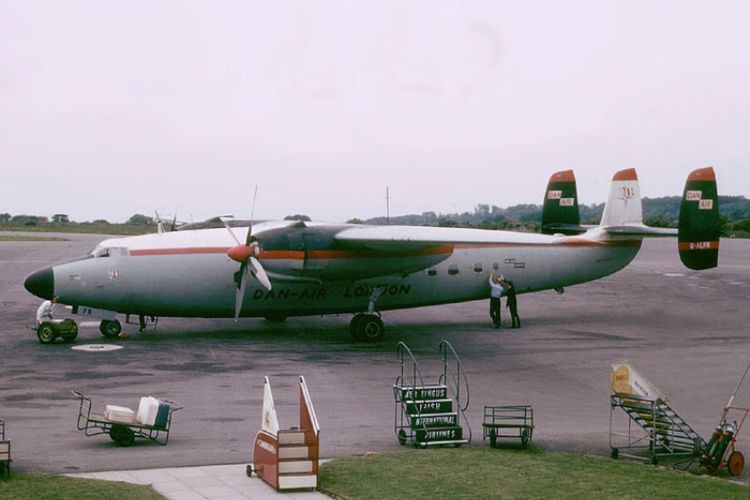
(483, 472)
(31, 486)
(5, 237)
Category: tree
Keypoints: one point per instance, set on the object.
(5, 217)
(141, 220)
(60, 219)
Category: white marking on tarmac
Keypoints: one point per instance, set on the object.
(673, 275)
(96, 347)
(89, 323)
(736, 283)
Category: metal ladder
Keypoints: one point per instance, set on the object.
(425, 414)
(664, 432)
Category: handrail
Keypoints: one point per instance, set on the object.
(309, 405)
(457, 379)
(402, 349)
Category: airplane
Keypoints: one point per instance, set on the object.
(278, 269)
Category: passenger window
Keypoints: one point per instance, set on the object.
(477, 267)
(453, 269)
(432, 272)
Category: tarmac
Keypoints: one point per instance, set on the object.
(685, 331)
(211, 482)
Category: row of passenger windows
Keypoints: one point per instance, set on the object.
(453, 269)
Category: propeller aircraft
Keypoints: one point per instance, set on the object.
(277, 269)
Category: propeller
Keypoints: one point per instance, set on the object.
(247, 255)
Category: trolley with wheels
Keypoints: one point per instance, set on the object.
(50, 330)
(515, 422)
(124, 425)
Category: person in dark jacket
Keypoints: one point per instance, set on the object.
(512, 303)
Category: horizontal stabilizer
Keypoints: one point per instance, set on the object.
(560, 207)
(641, 230)
(698, 239)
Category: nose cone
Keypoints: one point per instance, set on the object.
(41, 283)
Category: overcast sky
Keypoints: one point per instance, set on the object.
(111, 108)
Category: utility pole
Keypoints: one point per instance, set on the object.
(387, 207)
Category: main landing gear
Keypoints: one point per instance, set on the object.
(110, 328)
(367, 327)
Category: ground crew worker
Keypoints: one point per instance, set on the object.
(44, 312)
(512, 304)
(496, 291)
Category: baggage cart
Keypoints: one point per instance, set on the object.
(124, 431)
(513, 421)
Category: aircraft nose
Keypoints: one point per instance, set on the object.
(41, 283)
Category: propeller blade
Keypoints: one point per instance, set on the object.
(250, 238)
(240, 291)
(226, 225)
(259, 273)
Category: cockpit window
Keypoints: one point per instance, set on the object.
(102, 251)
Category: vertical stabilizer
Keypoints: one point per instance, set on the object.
(698, 237)
(623, 206)
(560, 207)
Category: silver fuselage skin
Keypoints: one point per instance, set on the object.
(188, 273)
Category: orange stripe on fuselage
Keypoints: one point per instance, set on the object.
(298, 254)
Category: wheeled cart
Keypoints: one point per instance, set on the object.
(514, 421)
(123, 424)
(49, 330)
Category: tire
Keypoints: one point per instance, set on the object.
(46, 333)
(370, 328)
(69, 338)
(493, 438)
(121, 435)
(524, 438)
(615, 453)
(249, 470)
(736, 463)
(401, 437)
(354, 326)
(110, 328)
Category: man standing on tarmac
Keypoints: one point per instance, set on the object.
(512, 303)
(496, 291)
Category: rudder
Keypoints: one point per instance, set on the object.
(698, 233)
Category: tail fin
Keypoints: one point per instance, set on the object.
(560, 208)
(698, 237)
(623, 207)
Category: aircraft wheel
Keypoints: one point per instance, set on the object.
(46, 333)
(736, 463)
(354, 326)
(121, 435)
(370, 328)
(110, 328)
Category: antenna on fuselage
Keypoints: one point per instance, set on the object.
(387, 207)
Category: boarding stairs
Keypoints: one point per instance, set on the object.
(431, 414)
(287, 459)
(654, 429)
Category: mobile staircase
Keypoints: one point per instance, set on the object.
(287, 459)
(431, 414)
(654, 430)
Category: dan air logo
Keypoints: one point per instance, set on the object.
(693, 195)
(554, 195)
(696, 195)
(567, 202)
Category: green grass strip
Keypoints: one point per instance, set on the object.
(32, 486)
(483, 472)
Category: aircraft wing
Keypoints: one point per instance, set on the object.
(399, 238)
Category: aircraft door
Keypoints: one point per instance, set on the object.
(314, 244)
